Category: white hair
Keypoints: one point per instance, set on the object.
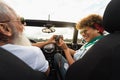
(22, 40)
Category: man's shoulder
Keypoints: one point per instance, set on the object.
(20, 48)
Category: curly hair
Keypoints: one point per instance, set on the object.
(89, 21)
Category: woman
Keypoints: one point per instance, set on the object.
(92, 30)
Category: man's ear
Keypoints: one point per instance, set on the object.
(5, 29)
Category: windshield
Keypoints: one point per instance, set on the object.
(35, 33)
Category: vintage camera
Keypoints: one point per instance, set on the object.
(57, 37)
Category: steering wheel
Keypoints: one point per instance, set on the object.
(49, 48)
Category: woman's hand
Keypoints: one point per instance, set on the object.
(62, 44)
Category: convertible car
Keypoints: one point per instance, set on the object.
(49, 28)
(38, 30)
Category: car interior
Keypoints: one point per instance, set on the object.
(38, 30)
(51, 49)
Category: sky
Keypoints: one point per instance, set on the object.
(59, 10)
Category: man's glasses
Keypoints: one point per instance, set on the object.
(21, 19)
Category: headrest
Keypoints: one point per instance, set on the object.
(111, 17)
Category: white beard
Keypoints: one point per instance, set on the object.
(22, 40)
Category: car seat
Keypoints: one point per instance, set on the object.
(102, 61)
(12, 68)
